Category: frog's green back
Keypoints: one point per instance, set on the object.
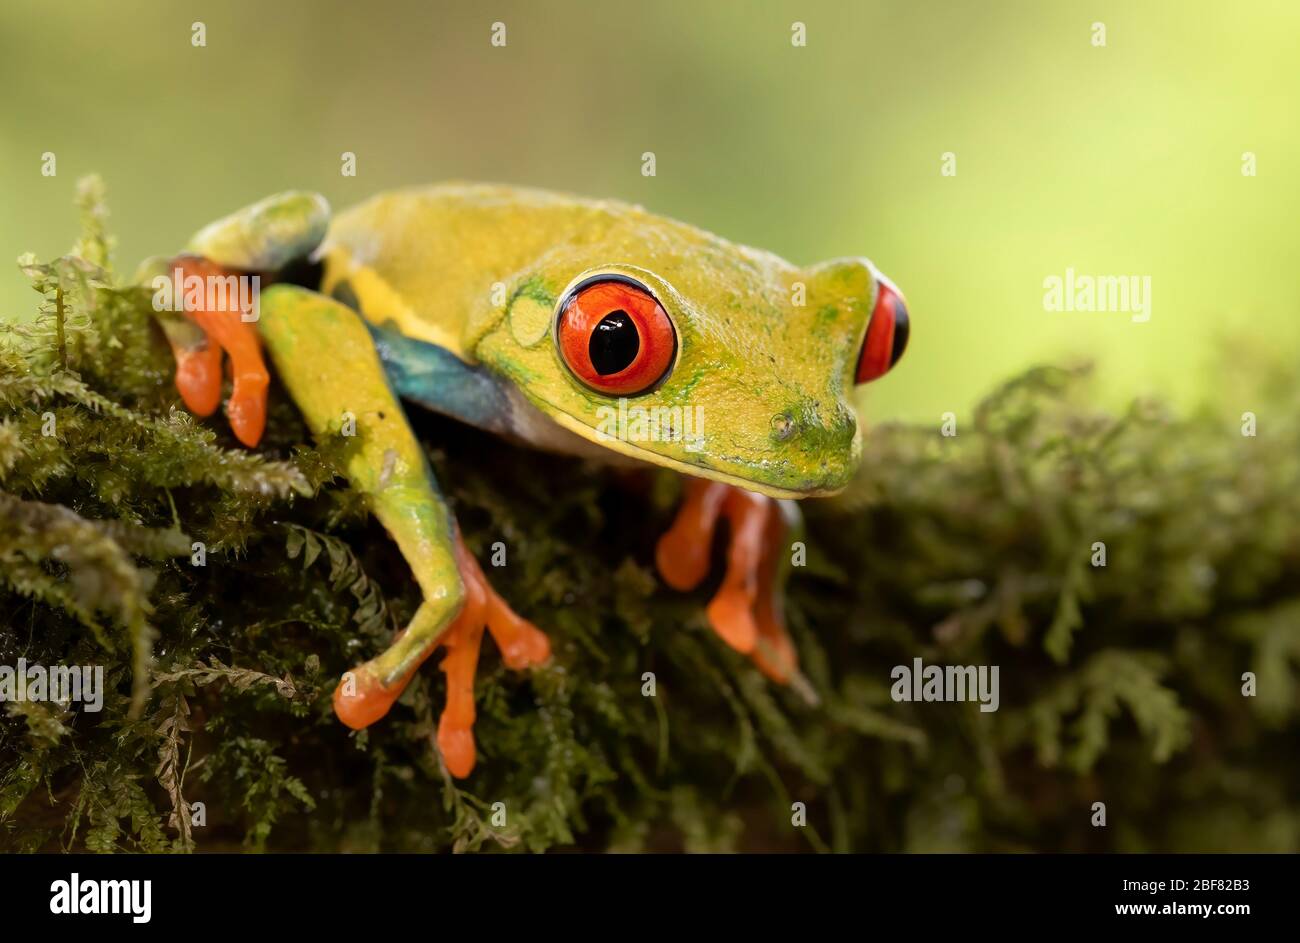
(435, 261)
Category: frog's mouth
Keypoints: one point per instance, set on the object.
(552, 429)
(598, 444)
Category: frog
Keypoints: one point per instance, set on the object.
(546, 319)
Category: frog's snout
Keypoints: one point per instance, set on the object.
(817, 438)
(815, 424)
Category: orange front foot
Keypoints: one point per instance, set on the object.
(363, 698)
(211, 296)
(748, 610)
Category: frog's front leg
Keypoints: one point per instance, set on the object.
(748, 610)
(258, 239)
(325, 357)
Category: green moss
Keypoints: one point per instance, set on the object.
(1119, 684)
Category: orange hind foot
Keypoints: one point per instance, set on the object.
(748, 610)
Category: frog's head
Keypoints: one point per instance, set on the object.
(712, 359)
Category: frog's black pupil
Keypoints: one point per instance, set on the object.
(614, 343)
(902, 327)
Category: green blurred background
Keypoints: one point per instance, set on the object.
(1117, 160)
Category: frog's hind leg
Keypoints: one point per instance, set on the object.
(748, 610)
(324, 356)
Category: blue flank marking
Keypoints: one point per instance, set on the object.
(437, 379)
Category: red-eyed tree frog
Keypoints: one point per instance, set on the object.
(548, 319)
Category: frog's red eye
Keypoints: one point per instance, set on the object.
(615, 337)
(886, 334)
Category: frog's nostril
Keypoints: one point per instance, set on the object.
(782, 426)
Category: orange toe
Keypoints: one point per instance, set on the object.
(457, 747)
(198, 378)
(361, 699)
(456, 725)
(522, 644)
(774, 654)
(682, 554)
(247, 410)
(731, 614)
